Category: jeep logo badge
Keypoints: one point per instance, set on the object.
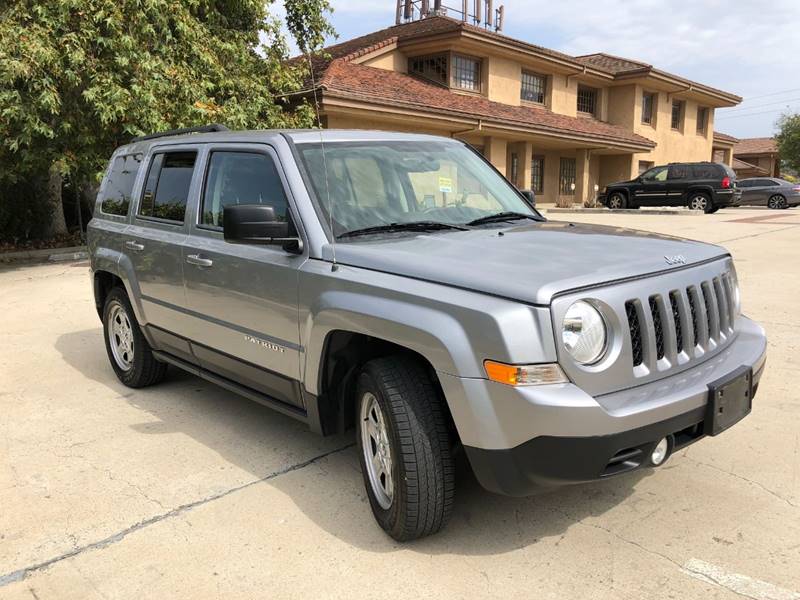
(676, 259)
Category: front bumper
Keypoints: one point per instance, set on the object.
(523, 439)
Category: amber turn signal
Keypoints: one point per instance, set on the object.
(524, 374)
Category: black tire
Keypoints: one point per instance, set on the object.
(617, 201)
(777, 202)
(140, 368)
(700, 201)
(422, 467)
(712, 210)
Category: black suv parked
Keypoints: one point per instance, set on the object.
(705, 186)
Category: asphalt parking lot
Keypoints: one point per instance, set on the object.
(185, 490)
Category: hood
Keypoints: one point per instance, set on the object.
(530, 263)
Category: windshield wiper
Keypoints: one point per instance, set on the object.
(410, 226)
(503, 216)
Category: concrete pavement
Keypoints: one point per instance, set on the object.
(185, 490)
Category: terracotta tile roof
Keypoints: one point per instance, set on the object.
(349, 80)
(762, 145)
(742, 166)
(612, 64)
(724, 137)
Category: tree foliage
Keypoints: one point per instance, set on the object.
(80, 77)
(789, 141)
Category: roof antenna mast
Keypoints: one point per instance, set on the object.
(334, 266)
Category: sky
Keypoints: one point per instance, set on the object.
(748, 47)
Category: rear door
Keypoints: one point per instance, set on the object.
(243, 299)
(751, 192)
(153, 243)
(652, 187)
(678, 178)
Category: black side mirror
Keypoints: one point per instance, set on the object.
(529, 196)
(257, 224)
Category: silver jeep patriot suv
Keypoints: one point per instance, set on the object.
(398, 285)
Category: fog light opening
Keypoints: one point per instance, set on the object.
(661, 451)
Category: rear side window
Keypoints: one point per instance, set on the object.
(706, 172)
(678, 172)
(119, 185)
(241, 178)
(166, 190)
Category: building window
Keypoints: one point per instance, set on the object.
(537, 174)
(677, 114)
(533, 87)
(566, 177)
(466, 73)
(645, 165)
(587, 100)
(702, 119)
(433, 68)
(648, 107)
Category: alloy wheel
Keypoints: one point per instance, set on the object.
(120, 336)
(698, 202)
(776, 202)
(615, 201)
(377, 450)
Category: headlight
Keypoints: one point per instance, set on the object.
(584, 333)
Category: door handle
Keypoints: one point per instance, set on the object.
(131, 245)
(195, 259)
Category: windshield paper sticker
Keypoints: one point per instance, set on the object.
(445, 184)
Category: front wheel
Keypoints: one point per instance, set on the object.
(617, 201)
(404, 448)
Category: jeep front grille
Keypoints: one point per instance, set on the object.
(672, 329)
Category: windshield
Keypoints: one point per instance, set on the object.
(372, 184)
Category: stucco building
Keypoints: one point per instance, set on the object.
(550, 122)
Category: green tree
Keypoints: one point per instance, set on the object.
(80, 77)
(788, 140)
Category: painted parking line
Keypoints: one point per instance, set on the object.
(765, 219)
(737, 583)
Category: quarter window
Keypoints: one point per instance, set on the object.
(533, 87)
(119, 185)
(466, 73)
(241, 178)
(648, 107)
(566, 177)
(537, 174)
(167, 188)
(587, 100)
(702, 119)
(677, 114)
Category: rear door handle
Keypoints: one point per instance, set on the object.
(195, 259)
(131, 245)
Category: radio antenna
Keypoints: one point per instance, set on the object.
(334, 266)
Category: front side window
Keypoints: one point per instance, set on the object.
(371, 184)
(648, 107)
(119, 185)
(430, 67)
(241, 178)
(702, 119)
(537, 174)
(655, 174)
(466, 73)
(587, 100)
(533, 87)
(166, 190)
(566, 178)
(677, 114)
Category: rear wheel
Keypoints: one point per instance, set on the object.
(700, 201)
(129, 353)
(404, 448)
(617, 201)
(776, 202)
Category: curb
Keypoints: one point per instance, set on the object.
(46, 254)
(626, 211)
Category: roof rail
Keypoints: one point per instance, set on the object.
(184, 131)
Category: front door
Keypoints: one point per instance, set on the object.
(242, 299)
(651, 188)
(153, 244)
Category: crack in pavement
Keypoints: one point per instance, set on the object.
(743, 478)
(21, 574)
